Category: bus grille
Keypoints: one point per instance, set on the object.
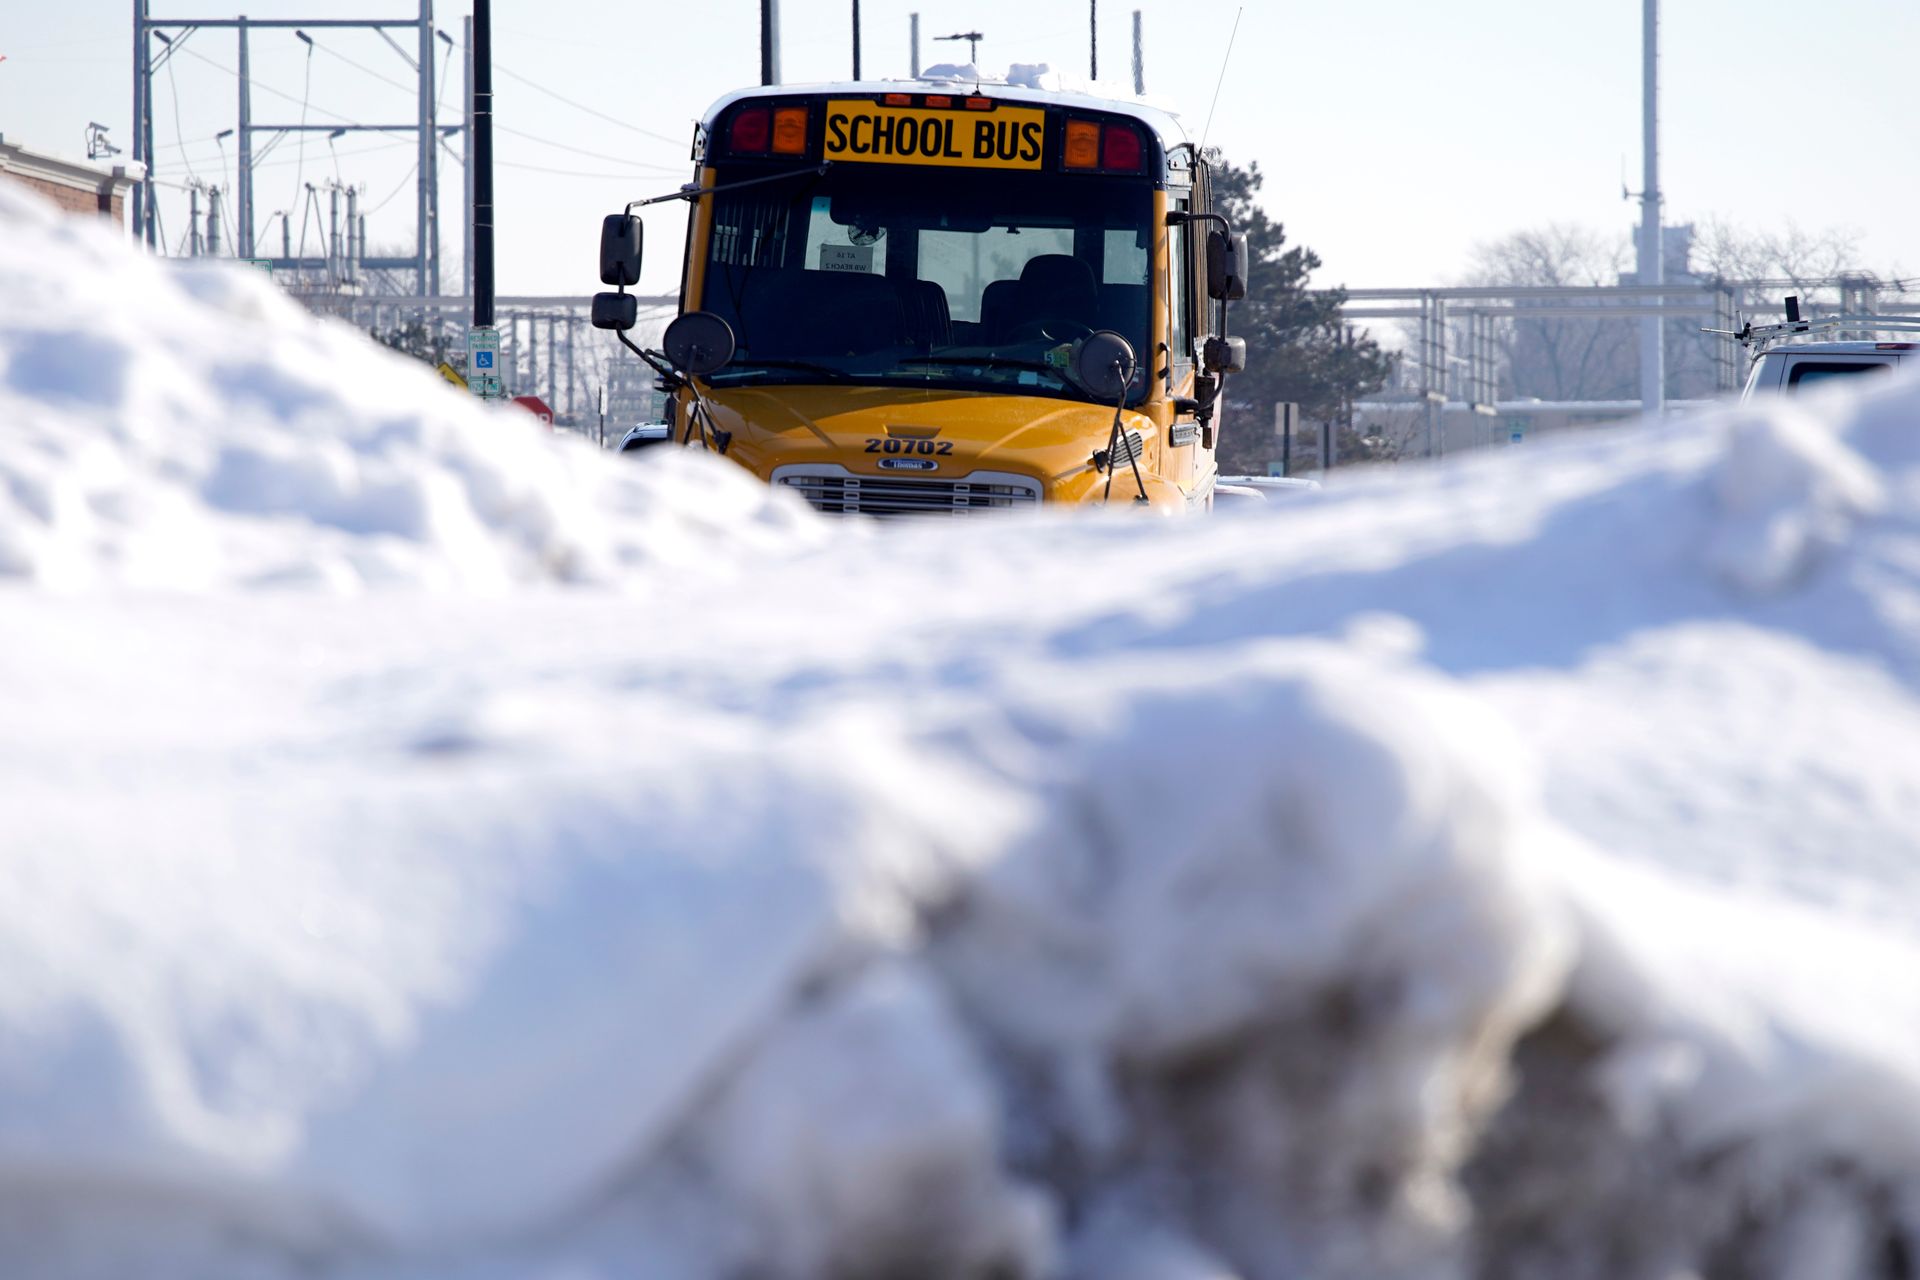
(836, 490)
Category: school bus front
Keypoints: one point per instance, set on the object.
(907, 275)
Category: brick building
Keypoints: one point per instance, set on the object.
(74, 185)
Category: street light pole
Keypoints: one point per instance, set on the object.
(482, 163)
(1652, 256)
(769, 41)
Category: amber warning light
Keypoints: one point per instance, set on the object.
(1109, 148)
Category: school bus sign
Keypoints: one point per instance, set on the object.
(876, 133)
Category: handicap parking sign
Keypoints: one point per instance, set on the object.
(483, 352)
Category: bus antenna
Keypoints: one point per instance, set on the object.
(1208, 131)
(973, 39)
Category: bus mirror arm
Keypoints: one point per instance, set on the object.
(653, 361)
(671, 382)
(693, 191)
(1228, 252)
(1181, 217)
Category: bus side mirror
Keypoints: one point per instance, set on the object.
(615, 311)
(1227, 265)
(1224, 355)
(698, 342)
(1103, 362)
(620, 238)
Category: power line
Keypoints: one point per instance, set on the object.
(173, 91)
(581, 106)
(572, 173)
(594, 155)
(366, 70)
(182, 144)
(260, 161)
(446, 61)
(396, 191)
(270, 164)
(306, 96)
(267, 88)
(518, 133)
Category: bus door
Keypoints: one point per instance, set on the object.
(1177, 295)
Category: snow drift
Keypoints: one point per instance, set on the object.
(436, 849)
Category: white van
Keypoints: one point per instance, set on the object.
(1796, 368)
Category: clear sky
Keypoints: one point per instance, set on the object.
(1396, 134)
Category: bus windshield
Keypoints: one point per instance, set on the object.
(952, 277)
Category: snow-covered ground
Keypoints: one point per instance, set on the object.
(430, 848)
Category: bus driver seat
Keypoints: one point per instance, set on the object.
(1052, 287)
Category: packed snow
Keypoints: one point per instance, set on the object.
(434, 848)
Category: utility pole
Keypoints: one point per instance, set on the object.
(356, 241)
(769, 41)
(466, 160)
(1652, 265)
(193, 221)
(913, 26)
(146, 211)
(428, 192)
(1139, 59)
(856, 39)
(973, 39)
(142, 187)
(1093, 39)
(482, 163)
(243, 233)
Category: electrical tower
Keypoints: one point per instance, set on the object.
(425, 261)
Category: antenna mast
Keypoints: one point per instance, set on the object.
(1652, 264)
(973, 39)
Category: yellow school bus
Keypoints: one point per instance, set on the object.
(904, 298)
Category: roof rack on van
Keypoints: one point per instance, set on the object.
(1757, 338)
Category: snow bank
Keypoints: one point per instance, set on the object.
(191, 427)
(1507, 869)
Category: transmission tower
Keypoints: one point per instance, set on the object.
(425, 262)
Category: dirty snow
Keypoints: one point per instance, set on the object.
(435, 849)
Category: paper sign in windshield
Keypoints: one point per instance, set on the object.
(847, 257)
(870, 133)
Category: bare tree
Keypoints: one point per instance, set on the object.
(1790, 260)
(1728, 251)
(1561, 358)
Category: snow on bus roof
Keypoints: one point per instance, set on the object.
(1024, 82)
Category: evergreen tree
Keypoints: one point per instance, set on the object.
(1295, 341)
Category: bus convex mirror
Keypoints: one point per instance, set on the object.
(1224, 355)
(1103, 363)
(615, 311)
(1227, 265)
(620, 237)
(698, 342)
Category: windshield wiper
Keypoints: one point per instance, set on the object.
(1003, 362)
(806, 366)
